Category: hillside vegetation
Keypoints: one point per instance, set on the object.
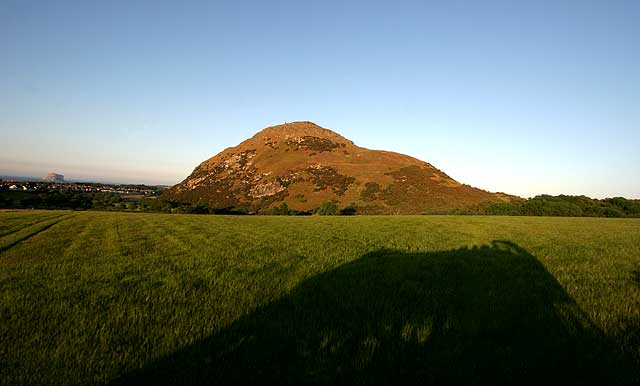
(152, 299)
(568, 206)
(545, 205)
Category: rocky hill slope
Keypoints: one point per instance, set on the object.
(305, 165)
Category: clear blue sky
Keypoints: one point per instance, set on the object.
(522, 97)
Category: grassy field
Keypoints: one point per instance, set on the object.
(122, 298)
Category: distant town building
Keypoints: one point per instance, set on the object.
(54, 177)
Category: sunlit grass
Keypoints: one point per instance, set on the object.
(90, 297)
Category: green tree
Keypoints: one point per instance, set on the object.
(349, 210)
(327, 208)
(282, 210)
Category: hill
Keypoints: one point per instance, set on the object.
(304, 165)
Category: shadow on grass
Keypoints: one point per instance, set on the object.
(487, 315)
(636, 277)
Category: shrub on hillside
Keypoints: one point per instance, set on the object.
(282, 210)
(327, 208)
(349, 210)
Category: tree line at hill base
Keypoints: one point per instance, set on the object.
(543, 205)
(562, 205)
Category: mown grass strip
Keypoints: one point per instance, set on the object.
(22, 220)
(10, 240)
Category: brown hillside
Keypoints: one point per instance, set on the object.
(304, 165)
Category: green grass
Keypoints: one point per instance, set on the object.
(122, 298)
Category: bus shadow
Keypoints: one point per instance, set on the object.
(482, 315)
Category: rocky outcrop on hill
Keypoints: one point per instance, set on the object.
(54, 177)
